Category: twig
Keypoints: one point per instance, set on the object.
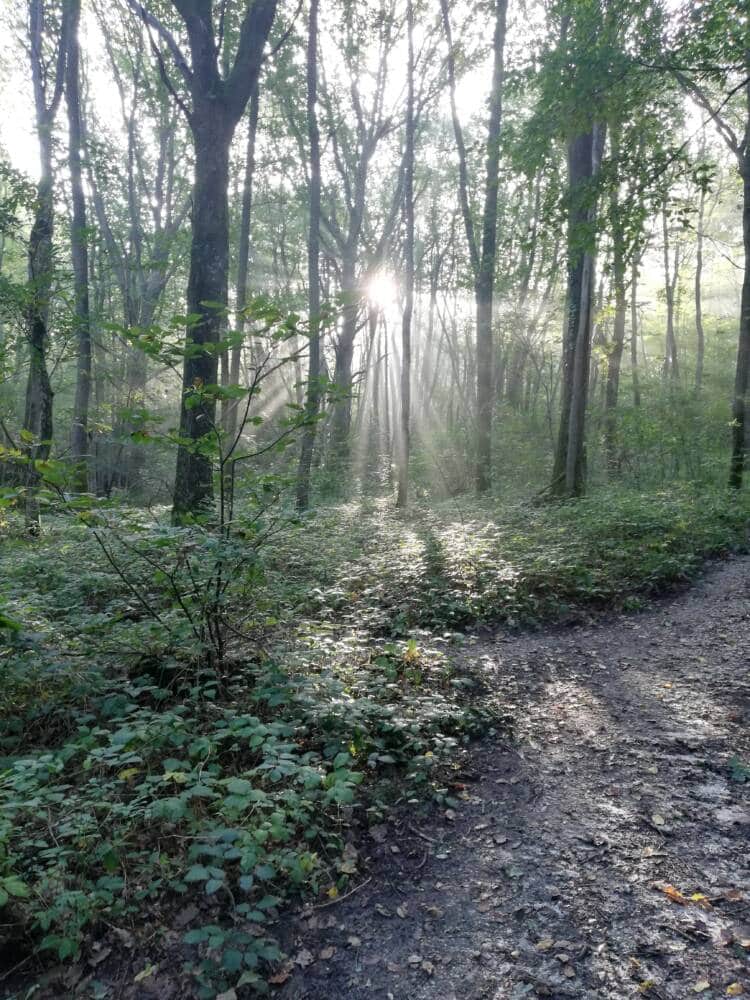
(340, 899)
(430, 840)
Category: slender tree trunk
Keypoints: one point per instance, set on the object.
(699, 331)
(486, 277)
(313, 266)
(634, 367)
(243, 260)
(671, 362)
(404, 438)
(79, 437)
(739, 404)
(482, 259)
(569, 473)
(38, 408)
(344, 354)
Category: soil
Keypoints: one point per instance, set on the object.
(604, 853)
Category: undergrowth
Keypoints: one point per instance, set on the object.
(141, 793)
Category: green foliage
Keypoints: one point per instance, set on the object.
(134, 777)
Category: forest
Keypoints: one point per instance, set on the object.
(374, 520)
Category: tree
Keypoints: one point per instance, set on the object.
(48, 90)
(406, 321)
(217, 103)
(482, 255)
(79, 435)
(313, 265)
(710, 59)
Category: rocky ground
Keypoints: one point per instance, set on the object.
(604, 853)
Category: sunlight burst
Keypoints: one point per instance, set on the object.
(382, 289)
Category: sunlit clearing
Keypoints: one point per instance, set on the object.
(382, 289)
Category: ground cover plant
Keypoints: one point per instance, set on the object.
(142, 786)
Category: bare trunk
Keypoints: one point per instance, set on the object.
(79, 437)
(404, 439)
(243, 261)
(209, 258)
(569, 473)
(634, 367)
(699, 332)
(313, 267)
(739, 404)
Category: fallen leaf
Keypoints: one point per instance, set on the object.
(701, 986)
(735, 990)
(402, 911)
(700, 900)
(382, 910)
(733, 895)
(354, 941)
(646, 985)
(327, 953)
(669, 890)
(144, 973)
(415, 959)
(332, 893)
(744, 942)
(658, 820)
(281, 976)
(229, 995)
(545, 944)
(450, 814)
(99, 956)
(304, 958)
(428, 967)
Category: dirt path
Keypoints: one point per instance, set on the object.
(545, 882)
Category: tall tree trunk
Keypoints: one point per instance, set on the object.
(486, 277)
(79, 436)
(671, 363)
(243, 260)
(208, 282)
(569, 473)
(404, 437)
(38, 408)
(700, 351)
(218, 103)
(313, 267)
(344, 355)
(482, 259)
(739, 404)
(634, 367)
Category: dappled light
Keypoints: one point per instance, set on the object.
(374, 521)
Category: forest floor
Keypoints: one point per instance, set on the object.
(603, 852)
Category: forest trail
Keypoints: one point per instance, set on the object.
(553, 878)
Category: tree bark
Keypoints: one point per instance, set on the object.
(671, 271)
(700, 351)
(486, 277)
(79, 436)
(634, 367)
(38, 408)
(217, 105)
(584, 155)
(243, 259)
(482, 260)
(405, 413)
(313, 267)
(742, 374)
